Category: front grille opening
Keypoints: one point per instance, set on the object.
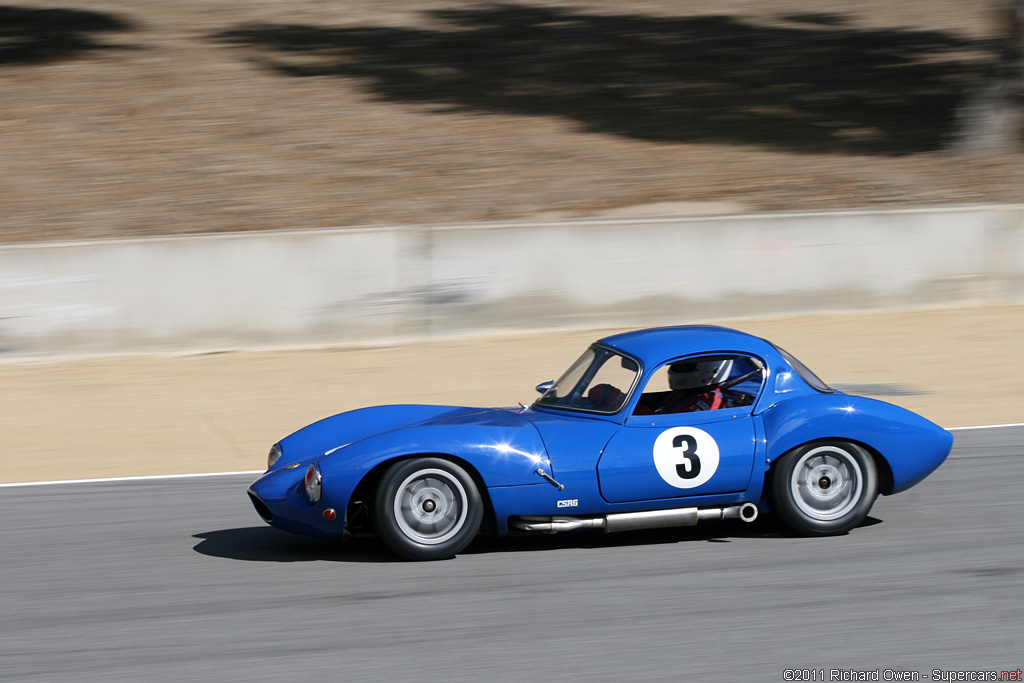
(262, 509)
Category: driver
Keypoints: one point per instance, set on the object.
(694, 386)
(605, 397)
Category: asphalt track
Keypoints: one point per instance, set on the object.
(178, 580)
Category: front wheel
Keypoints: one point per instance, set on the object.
(427, 509)
(824, 488)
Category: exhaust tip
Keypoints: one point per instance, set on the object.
(748, 512)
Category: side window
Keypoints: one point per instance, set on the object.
(702, 383)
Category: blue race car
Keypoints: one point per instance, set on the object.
(654, 428)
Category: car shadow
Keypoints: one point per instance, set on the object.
(266, 544)
(805, 83)
(718, 532)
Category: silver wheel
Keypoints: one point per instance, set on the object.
(430, 506)
(427, 508)
(827, 483)
(824, 488)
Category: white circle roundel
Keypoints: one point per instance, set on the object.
(686, 457)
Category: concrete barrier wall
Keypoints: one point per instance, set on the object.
(368, 285)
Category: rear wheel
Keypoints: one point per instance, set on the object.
(825, 488)
(427, 509)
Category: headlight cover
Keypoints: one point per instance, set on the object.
(313, 483)
(274, 455)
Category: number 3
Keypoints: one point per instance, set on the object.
(689, 468)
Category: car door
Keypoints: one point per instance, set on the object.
(678, 455)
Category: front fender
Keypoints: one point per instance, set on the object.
(503, 456)
(324, 436)
(912, 446)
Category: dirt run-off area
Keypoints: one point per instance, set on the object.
(137, 117)
(168, 414)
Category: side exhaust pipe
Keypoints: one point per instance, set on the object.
(631, 521)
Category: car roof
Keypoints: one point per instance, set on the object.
(656, 345)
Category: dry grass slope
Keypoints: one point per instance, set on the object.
(136, 117)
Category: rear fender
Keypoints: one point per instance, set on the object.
(908, 446)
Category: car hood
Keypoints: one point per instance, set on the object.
(501, 443)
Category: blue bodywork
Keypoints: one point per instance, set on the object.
(603, 460)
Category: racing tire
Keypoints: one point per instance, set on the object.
(427, 509)
(824, 488)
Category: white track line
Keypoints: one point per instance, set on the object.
(228, 474)
(957, 429)
(143, 478)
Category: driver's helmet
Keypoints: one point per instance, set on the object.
(686, 375)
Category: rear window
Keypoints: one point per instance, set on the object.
(804, 371)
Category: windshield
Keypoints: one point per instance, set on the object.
(599, 382)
